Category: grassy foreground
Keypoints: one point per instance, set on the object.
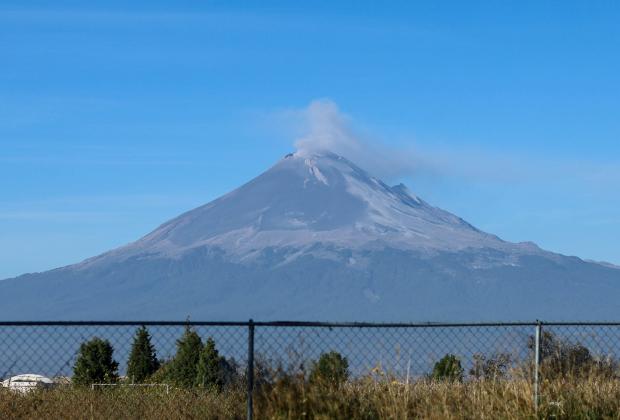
(354, 400)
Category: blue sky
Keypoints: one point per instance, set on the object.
(116, 117)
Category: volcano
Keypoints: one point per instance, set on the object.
(315, 237)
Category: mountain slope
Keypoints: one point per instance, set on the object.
(316, 237)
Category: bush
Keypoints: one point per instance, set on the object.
(142, 359)
(331, 368)
(95, 363)
(229, 371)
(448, 369)
(161, 375)
(562, 358)
(492, 368)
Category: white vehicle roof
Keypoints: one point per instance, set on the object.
(28, 377)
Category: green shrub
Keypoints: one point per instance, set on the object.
(331, 368)
(161, 375)
(448, 369)
(95, 363)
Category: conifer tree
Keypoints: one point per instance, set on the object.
(210, 364)
(142, 359)
(95, 363)
(183, 369)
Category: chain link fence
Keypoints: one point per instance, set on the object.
(396, 352)
(51, 348)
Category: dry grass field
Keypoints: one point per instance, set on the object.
(360, 399)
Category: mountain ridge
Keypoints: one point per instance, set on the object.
(215, 223)
(317, 237)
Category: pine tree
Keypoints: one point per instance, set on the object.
(209, 370)
(183, 369)
(95, 363)
(142, 359)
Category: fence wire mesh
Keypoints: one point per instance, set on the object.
(52, 349)
(400, 353)
(397, 352)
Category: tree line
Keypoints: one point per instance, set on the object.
(195, 364)
(198, 364)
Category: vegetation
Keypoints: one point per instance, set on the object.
(492, 368)
(369, 399)
(95, 363)
(195, 365)
(77, 403)
(331, 368)
(142, 360)
(357, 399)
(448, 369)
(163, 374)
(560, 358)
(211, 367)
(575, 384)
(183, 369)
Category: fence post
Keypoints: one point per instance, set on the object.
(250, 372)
(537, 339)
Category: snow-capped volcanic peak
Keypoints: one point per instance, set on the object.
(316, 237)
(306, 199)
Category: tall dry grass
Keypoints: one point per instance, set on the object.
(372, 400)
(361, 399)
(121, 403)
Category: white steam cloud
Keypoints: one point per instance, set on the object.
(326, 128)
(322, 126)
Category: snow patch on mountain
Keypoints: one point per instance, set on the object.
(309, 199)
(315, 171)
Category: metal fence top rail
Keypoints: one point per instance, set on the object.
(305, 324)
